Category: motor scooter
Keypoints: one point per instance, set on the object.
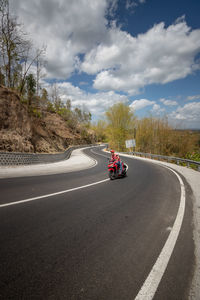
(114, 171)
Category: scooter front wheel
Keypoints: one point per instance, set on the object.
(111, 175)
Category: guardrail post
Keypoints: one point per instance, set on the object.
(170, 159)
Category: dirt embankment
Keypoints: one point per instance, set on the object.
(21, 131)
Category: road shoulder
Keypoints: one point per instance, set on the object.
(77, 161)
(193, 179)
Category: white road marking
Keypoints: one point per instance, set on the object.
(96, 162)
(151, 284)
(53, 194)
(98, 153)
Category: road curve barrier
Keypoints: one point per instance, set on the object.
(17, 158)
(171, 159)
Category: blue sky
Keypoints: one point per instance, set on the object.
(145, 53)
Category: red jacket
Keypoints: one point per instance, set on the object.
(114, 157)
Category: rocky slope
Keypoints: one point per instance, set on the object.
(21, 131)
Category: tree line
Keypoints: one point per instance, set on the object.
(152, 135)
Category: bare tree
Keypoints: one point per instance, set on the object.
(55, 97)
(28, 62)
(17, 55)
(13, 44)
(40, 64)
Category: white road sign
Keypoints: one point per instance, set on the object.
(130, 143)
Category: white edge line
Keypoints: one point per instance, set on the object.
(95, 161)
(98, 153)
(61, 192)
(53, 194)
(151, 283)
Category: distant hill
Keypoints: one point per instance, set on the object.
(23, 131)
(195, 130)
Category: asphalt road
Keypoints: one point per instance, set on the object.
(98, 242)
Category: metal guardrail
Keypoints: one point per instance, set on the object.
(171, 159)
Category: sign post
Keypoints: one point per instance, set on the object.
(130, 144)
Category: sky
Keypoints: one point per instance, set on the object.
(145, 53)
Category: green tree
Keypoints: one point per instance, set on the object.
(100, 131)
(2, 78)
(31, 87)
(153, 136)
(121, 124)
(86, 118)
(68, 104)
(44, 98)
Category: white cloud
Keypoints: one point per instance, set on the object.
(112, 7)
(68, 28)
(130, 4)
(83, 83)
(195, 97)
(188, 115)
(127, 63)
(121, 62)
(139, 104)
(168, 102)
(78, 38)
(157, 110)
(96, 103)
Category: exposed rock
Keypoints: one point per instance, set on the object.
(21, 131)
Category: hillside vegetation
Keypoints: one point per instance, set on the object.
(152, 135)
(40, 127)
(31, 120)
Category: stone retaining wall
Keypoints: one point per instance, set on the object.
(13, 159)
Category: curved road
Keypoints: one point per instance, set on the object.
(97, 242)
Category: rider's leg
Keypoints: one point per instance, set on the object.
(120, 168)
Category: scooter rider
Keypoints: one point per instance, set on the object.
(119, 163)
(118, 160)
(113, 155)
